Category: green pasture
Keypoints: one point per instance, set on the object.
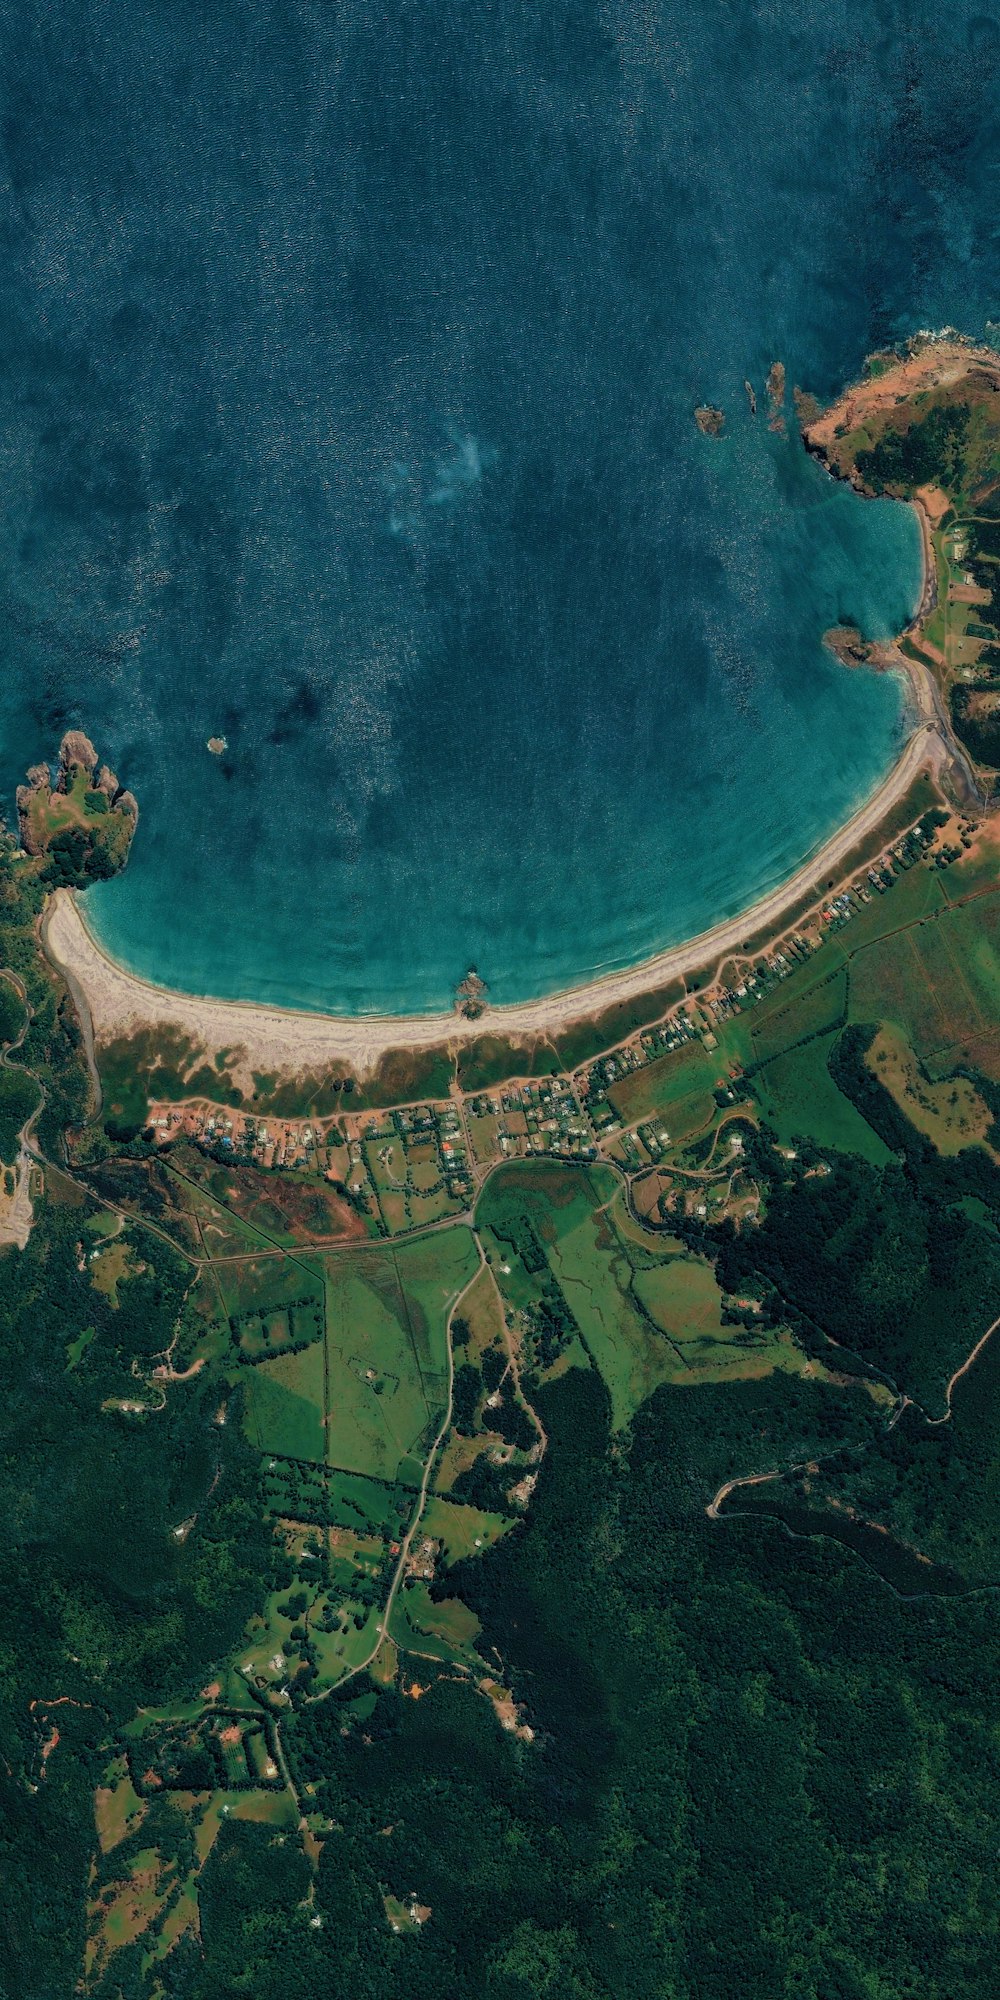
(799, 1098)
(362, 1504)
(683, 1299)
(387, 1356)
(482, 1314)
(444, 1631)
(801, 1006)
(465, 1531)
(647, 1315)
(951, 1113)
(554, 1196)
(224, 1232)
(268, 1284)
(379, 1403)
(591, 1265)
(284, 1404)
(341, 1651)
(679, 1085)
(938, 982)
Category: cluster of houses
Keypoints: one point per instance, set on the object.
(560, 1115)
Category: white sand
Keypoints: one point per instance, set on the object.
(282, 1040)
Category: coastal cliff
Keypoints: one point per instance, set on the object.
(926, 422)
(924, 426)
(79, 822)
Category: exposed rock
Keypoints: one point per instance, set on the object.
(848, 645)
(807, 409)
(776, 396)
(76, 748)
(25, 794)
(751, 397)
(709, 420)
(106, 782)
(217, 744)
(127, 802)
(470, 995)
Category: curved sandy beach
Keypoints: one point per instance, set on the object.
(280, 1039)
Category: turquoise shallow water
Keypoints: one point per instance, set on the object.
(349, 361)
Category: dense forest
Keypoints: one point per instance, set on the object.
(754, 1762)
(755, 1769)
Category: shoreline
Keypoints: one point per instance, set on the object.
(288, 1041)
(115, 1003)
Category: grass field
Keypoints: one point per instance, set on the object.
(444, 1631)
(938, 983)
(678, 1085)
(355, 1500)
(386, 1346)
(648, 1312)
(798, 1096)
(803, 1006)
(681, 1296)
(915, 958)
(464, 1531)
(369, 1392)
(481, 1311)
(284, 1404)
(951, 1114)
(118, 1809)
(458, 1454)
(269, 1284)
(381, 1399)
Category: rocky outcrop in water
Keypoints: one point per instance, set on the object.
(709, 420)
(76, 751)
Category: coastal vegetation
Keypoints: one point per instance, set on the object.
(81, 823)
(414, 1531)
(926, 428)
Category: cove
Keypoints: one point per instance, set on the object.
(346, 412)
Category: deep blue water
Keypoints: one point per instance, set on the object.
(349, 355)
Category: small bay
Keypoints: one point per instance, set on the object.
(346, 414)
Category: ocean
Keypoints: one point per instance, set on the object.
(349, 361)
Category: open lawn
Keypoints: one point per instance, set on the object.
(938, 983)
(646, 1314)
(458, 1454)
(124, 1910)
(367, 1395)
(340, 1651)
(118, 1808)
(364, 1504)
(110, 1264)
(265, 1284)
(387, 1356)
(480, 1310)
